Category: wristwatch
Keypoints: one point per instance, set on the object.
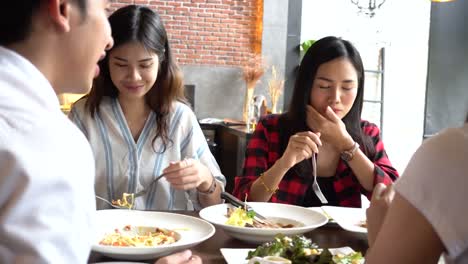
(348, 155)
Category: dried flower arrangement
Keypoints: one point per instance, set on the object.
(275, 88)
(252, 70)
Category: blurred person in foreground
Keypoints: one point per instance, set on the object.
(424, 215)
(47, 199)
(47, 47)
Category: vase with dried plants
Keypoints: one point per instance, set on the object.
(275, 88)
(252, 71)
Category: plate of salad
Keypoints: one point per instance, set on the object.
(292, 250)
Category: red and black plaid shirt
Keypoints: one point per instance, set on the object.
(264, 150)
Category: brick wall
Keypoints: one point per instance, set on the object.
(209, 32)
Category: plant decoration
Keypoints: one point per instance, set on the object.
(252, 71)
(304, 47)
(275, 88)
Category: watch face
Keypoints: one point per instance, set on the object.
(349, 154)
(346, 156)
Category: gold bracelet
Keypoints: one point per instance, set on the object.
(266, 187)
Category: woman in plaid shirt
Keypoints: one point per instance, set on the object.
(324, 117)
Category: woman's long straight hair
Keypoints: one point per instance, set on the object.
(140, 24)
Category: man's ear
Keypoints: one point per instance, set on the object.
(59, 12)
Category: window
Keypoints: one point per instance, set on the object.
(373, 90)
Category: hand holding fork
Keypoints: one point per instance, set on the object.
(302, 146)
(135, 195)
(185, 174)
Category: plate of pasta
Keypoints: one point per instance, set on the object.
(141, 235)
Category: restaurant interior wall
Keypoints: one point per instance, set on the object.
(447, 92)
(402, 28)
(212, 38)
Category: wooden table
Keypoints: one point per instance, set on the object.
(327, 236)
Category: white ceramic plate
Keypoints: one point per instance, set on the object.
(320, 210)
(235, 255)
(239, 255)
(192, 232)
(348, 218)
(310, 220)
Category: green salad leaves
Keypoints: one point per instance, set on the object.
(301, 250)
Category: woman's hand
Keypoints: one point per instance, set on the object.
(331, 127)
(382, 196)
(300, 146)
(188, 174)
(180, 258)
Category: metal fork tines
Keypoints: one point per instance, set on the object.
(135, 195)
(145, 190)
(111, 204)
(315, 185)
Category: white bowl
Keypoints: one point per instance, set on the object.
(310, 220)
(192, 232)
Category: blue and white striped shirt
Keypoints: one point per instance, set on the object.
(123, 165)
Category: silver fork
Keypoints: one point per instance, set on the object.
(315, 185)
(135, 195)
(145, 190)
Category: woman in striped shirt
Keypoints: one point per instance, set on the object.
(138, 125)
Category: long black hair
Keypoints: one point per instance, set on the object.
(16, 18)
(140, 24)
(322, 51)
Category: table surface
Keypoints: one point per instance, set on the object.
(328, 236)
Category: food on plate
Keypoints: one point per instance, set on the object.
(352, 258)
(300, 250)
(127, 200)
(240, 217)
(138, 236)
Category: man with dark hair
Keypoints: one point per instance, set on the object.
(47, 47)
(16, 19)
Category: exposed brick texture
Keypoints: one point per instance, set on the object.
(209, 32)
